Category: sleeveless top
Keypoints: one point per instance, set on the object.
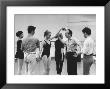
(19, 54)
(46, 49)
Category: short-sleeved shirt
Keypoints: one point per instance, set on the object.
(71, 45)
(30, 44)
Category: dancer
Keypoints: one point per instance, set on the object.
(45, 50)
(31, 49)
(87, 51)
(19, 54)
(59, 54)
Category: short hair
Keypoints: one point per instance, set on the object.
(31, 29)
(60, 35)
(87, 30)
(70, 32)
(18, 33)
(46, 33)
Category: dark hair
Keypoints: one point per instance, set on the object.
(31, 29)
(87, 30)
(60, 35)
(46, 33)
(18, 33)
(70, 32)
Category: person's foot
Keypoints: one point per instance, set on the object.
(58, 73)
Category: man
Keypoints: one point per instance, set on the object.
(59, 54)
(30, 47)
(87, 51)
(71, 53)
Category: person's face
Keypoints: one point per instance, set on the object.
(66, 34)
(85, 35)
(21, 36)
(33, 32)
(48, 36)
(69, 36)
(61, 36)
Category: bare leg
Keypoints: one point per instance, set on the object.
(20, 64)
(18, 71)
(48, 64)
(44, 58)
(26, 67)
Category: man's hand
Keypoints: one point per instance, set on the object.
(75, 55)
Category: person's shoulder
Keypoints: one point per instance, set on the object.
(19, 41)
(57, 40)
(90, 38)
(73, 40)
(34, 38)
(66, 41)
(24, 39)
(43, 42)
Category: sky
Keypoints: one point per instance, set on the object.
(53, 22)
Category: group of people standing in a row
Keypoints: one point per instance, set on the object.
(29, 51)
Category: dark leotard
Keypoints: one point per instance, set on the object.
(46, 49)
(19, 53)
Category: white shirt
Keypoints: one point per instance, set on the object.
(88, 46)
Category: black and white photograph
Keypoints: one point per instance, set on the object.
(43, 43)
(51, 45)
(55, 44)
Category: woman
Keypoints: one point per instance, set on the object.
(45, 50)
(19, 54)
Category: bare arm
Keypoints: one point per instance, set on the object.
(56, 35)
(41, 48)
(62, 41)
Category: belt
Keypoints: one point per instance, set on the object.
(88, 55)
(31, 52)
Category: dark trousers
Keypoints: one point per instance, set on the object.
(71, 63)
(87, 62)
(59, 62)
